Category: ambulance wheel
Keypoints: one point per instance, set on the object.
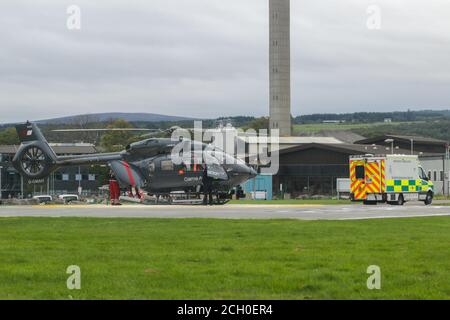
(401, 200)
(429, 199)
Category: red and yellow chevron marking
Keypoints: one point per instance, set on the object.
(359, 192)
(373, 177)
(374, 181)
(352, 171)
(357, 186)
(383, 177)
(353, 180)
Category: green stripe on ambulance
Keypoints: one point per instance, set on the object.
(408, 186)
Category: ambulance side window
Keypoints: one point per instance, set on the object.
(360, 172)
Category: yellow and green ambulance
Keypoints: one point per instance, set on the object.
(393, 179)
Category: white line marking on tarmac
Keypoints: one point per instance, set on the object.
(408, 216)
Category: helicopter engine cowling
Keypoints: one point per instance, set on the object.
(126, 174)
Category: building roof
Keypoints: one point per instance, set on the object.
(58, 148)
(402, 138)
(290, 140)
(350, 149)
(342, 135)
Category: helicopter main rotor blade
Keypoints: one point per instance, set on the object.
(107, 130)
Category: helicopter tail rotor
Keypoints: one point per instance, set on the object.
(35, 159)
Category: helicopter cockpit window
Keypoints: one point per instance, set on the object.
(151, 167)
(167, 165)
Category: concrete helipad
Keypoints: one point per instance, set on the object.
(302, 212)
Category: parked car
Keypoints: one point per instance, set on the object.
(67, 198)
(43, 199)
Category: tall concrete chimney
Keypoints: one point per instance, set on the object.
(280, 66)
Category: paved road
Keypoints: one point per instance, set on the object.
(304, 212)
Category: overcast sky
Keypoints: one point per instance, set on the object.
(209, 58)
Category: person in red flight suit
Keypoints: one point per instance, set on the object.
(114, 190)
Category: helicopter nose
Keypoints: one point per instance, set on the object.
(253, 172)
(244, 170)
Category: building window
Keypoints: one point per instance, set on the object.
(65, 177)
(442, 176)
(78, 177)
(435, 176)
(429, 175)
(91, 177)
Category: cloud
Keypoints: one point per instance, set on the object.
(209, 58)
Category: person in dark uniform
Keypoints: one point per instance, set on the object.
(239, 192)
(207, 188)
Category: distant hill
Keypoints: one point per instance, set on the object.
(104, 117)
(373, 117)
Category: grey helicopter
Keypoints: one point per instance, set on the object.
(147, 165)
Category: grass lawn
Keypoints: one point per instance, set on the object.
(221, 259)
(294, 202)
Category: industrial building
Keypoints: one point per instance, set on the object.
(414, 144)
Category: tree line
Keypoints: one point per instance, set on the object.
(372, 117)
